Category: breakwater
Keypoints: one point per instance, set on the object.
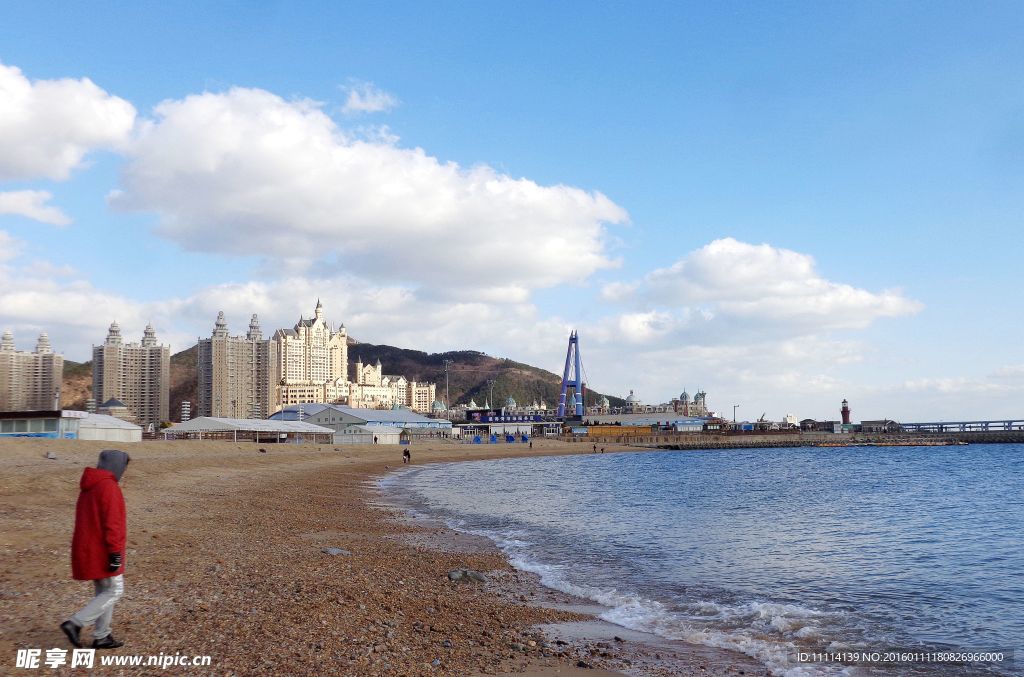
(754, 440)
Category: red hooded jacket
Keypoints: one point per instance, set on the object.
(101, 526)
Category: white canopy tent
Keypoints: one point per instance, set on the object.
(254, 429)
(108, 429)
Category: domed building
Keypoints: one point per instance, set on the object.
(696, 407)
(633, 404)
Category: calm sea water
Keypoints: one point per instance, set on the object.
(765, 551)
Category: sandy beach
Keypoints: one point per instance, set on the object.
(225, 559)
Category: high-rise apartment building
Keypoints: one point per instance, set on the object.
(313, 361)
(136, 374)
(421, 396)
(238, 375)
(29, 380)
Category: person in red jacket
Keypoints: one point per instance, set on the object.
(97, 548)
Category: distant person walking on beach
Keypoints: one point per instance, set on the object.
(97, 547)
(406, 456)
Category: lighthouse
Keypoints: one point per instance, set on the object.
(845, 411)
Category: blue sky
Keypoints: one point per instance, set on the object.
(832, 193)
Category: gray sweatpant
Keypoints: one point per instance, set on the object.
(101, 607)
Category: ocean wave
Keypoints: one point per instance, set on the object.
(747, 628)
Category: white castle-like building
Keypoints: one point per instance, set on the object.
(29, 380)
(249, 377)
(313, 361)
(134, 378)
(373, 389)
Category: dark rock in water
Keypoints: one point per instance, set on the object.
(466, 576)
(52, 456)
(619, 639)
(335, 551)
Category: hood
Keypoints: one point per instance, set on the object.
(91, 477)
(114, 461)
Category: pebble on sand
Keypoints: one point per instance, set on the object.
(466, 576)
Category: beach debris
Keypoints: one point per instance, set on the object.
(52, 456)
(262, 450)
(466, 576)
(335, 551)
(584, 664)
(436, 662)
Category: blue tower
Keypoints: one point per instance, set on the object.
(572, 365)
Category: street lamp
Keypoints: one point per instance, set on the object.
(490, 385)
(734, 412)
(447, 401)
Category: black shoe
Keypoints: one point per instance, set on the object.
(107, 642)
(71, 629)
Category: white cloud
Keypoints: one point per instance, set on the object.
(248, 173)
(1010, 372)
(365, 97)
(761, 285)
(32, 204)
(48, 126)
(74, 313)
(77, 314)
(10, 246)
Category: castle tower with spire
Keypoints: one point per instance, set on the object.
(238, 375)
(313, 361)
(137, 375)
(29, 380)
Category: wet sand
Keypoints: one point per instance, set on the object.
(224, 559)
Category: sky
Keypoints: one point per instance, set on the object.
(783, 204)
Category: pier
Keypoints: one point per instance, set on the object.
(963, 426)
(756, 440)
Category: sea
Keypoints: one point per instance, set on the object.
(867, 553)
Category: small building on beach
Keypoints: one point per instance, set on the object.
(65, 424)
(361, 434)
(108, 429)
(386, 422)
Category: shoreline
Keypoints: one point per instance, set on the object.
(224, 559)
(598, 642)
